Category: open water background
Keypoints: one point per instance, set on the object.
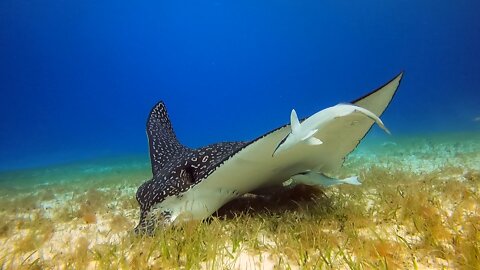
(78, 78)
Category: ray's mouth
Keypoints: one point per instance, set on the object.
(155, 220)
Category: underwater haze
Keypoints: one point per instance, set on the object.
(78, 78)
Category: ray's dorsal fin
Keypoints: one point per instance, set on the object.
(162, 141)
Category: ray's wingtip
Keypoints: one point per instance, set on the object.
(400, 75)
(159, 103)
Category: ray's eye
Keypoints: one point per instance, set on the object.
(187, 174)
(190, 170)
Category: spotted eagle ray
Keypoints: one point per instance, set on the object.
(194, 183)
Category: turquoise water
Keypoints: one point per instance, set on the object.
(83, 213)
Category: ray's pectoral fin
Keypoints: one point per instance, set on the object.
(162, 141)
(319, 179)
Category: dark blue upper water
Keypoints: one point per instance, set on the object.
(78, 78)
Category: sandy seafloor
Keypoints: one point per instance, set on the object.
(64, 217)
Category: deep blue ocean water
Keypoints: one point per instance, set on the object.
(78, 78)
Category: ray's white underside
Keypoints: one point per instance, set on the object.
(254, 167)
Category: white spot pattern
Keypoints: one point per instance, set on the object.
(176, 168)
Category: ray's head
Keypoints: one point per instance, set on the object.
(175, 168)
(156, 190)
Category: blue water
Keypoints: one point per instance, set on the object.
(78, 78)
